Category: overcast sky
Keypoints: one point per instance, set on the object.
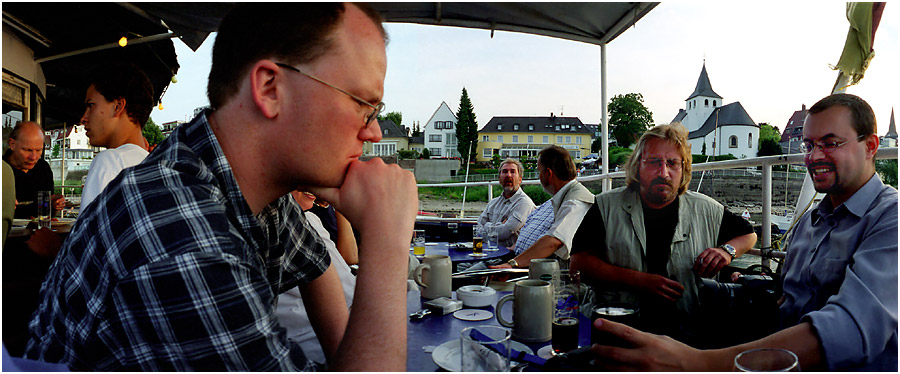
(771, 56)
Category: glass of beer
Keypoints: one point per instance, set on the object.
(623, 313)
(565, 312)
(419, 243)
(477, 241)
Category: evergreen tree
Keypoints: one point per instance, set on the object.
(466, 128)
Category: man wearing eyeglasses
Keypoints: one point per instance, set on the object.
(178, 263)
(839, 310)
(648, 244)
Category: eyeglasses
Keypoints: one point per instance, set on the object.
(376, 109)
(657, 163)
(826, 147)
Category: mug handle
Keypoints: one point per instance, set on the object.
(418, 276)
(500, 303)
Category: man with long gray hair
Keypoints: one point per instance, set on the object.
(506, 213)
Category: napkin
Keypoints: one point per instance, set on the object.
(520, 356)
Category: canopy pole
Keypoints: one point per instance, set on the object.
(604, 122)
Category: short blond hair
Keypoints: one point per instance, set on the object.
(674, 133)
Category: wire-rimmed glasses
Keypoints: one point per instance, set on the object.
(376, 109)
(826, 147)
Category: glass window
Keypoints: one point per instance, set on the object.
(500, 138)
(516, 127)
(577, 154)
(499, 126)
(559, 140)
(577, 140)
(568, 140)
(488, 153)
(530, 127)
(732, 142)
(434, 137)
(530, 139)
(485, 138)
(546, 139)
(714, 103)
(750, 140)
(706, 102)
(435, 152)
(515, 138)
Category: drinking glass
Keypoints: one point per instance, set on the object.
(484, 348)
(766, 359)
(492, 239)
(419, 242)
(567, 304)
(477, 241)
(43, 205)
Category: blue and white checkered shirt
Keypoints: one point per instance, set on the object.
(169, 270)
(536, 226)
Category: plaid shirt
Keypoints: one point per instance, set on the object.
(536, 226)
(170, 270)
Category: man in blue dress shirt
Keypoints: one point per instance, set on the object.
(839, 310)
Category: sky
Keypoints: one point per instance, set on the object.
(771, 56)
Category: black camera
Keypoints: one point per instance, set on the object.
(748, 291)
(749, 307)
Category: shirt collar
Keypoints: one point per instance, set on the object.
(557, 198)
(856, 204)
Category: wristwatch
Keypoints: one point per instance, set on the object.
(730, 249)
(513, 263)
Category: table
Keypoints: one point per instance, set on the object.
(435, 330)
(461, 255)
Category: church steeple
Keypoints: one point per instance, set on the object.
(892, 129)
(704, 88)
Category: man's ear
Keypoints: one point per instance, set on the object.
(872, 143)
(264, 87)
(119, 107)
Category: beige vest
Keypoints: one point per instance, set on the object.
(699, 219)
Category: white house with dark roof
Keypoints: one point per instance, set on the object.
(724, 129)
(526, 136)
(393, 139)
(440, 132)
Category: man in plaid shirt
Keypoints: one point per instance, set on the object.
(178, 263)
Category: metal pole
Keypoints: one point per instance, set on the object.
(604, 122)
(767, 213)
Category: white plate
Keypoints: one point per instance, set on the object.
(473, 314)
(546, 352)
(447, 355)
(20, 221)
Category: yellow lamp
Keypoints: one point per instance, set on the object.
(123, 41)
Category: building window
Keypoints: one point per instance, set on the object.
(449, 124)
(530, 139)
(386, 149)
(750, 140)
(546, 139)
(530, 127)
(434, 138)
(577, 154)
(515, 138)
(435, 152)
(451, 139)
(568, 140)
(732, 142)
(500, 138)
(516, 127)
(485, 138)
(557, 127)
(488, 153)
(577, 140)
(714, 103)
(559, 140)
(706, 103)
(499, 126)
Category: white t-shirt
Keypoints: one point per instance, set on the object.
(291, 312)
(106, 166)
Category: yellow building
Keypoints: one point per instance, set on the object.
(525, 136)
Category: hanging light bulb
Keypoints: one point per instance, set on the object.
(174, 80)
(160, 105)
(123, 41)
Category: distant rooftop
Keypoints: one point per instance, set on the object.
(704, 88)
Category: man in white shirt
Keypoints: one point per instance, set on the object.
(506, 213)
(291, 311)
(116, 107)
(570, 201)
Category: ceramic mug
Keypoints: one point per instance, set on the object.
(545, 269)
(532, 311)
(433, 275)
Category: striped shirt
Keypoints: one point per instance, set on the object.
(169, 270)
(536, 226)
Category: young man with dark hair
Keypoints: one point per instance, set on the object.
(178, 265)
(116, 107)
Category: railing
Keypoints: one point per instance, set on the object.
(721, 166)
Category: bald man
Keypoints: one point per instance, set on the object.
(32, 173)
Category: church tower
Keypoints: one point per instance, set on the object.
(701, 103)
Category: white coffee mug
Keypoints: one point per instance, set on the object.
(435, 281)
(532, 311)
